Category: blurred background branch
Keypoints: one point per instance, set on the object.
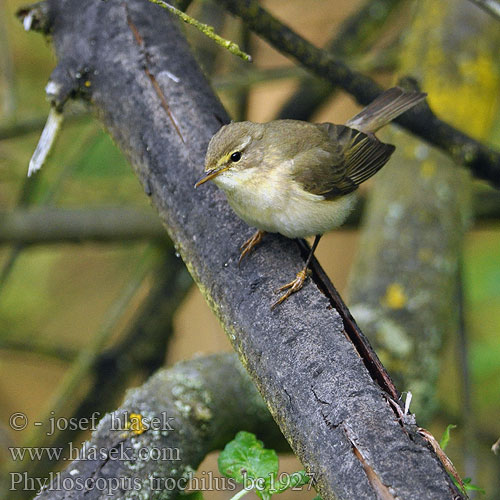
(56, 225)
(39, 226)
(356, 34)
(483, 161)
(29, 125)
(405, 276)
(139, 352)
(492, 7)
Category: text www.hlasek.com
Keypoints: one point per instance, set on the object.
(19, 454)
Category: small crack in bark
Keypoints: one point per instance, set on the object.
(318, 399)
(289, 397)
(154, 82)
(382, 491)
(328, 423)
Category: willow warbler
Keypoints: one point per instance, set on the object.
(298, 178)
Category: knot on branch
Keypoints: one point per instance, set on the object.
(36, 17)
(69, 80)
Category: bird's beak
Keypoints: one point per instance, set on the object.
(210, 174)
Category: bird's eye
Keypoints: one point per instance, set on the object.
(236, 156)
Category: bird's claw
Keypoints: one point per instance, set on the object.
(247, 247)
(292, 287)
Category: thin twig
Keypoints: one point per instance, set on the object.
(468, 443)
(235, 82)
(245, 79)
(206, 30)
(35, 124)
(42, 348)
(355, 35)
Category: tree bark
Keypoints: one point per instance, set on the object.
(193, 408)
(132, 64)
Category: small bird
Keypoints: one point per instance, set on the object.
(298, 178)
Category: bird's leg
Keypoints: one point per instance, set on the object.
(255, 239)
(298, 282)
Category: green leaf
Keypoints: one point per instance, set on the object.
(247, 461)
(294, 480)
(446, 436)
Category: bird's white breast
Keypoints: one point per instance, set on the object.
(279, 205)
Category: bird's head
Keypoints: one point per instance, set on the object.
(234, 148)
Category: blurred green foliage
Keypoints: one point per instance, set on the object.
(55, 294)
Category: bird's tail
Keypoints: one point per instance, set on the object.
(385, 108)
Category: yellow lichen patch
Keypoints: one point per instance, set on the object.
(471, 104)
(135, 423)
(395, 297)
(427, 169)
(457, 68)
(202, 413)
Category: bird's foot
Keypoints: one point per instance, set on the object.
(247, 247)
(292, 287)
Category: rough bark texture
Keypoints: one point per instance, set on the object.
(122, 56)
(193, 416)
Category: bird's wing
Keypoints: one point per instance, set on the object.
(351, 158)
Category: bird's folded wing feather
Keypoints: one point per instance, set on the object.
(351, 158)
